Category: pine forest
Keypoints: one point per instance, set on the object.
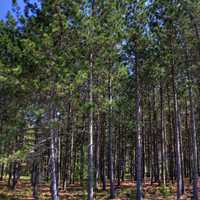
(100, 99)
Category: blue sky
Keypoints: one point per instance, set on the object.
(6, 5)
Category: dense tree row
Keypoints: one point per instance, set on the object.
(98, 91)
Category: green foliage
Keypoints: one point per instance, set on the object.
(165, 191)
(4, 197)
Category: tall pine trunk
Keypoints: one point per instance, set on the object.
(163, 141)
(82, 155)
(97, 151)
(139, 137)
(35, 166)
(2, 171)
(90, 147)
(110, 142)
(35, 179)
(194, 147)
(53, 153)
(177, 137)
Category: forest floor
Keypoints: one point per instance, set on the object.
(126, 191)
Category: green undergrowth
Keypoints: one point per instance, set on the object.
(165, 191)
(4, 197)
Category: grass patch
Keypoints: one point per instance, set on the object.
(25, 178)
(126, 193)
(165, 191)
(4, 197)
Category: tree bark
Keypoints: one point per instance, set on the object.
(53, 153)
(82, 156)
(2, 171)
(177, 137)
(139, 136)
(110, 140)
(162, 136)
(35, 179)
(90, 146)
(97, 151)
(194, 147)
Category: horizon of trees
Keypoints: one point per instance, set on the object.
(98, 92)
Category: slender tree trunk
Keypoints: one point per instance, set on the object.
(14, 175)
(110, 141)
(10, 174)
(188, 143)
(90, 147)
(74, 165)
(66, 161)
(53, 154)
(171, 151)
(2, 171)
(82, 157)
(97, 151)
(35, 179)
(58, 144)
(71, 172)
(177, 137)
(103, 160)
(155, 140)
(139, 137)
(150, 141)
(35, 166)
(194, 147)
(119, 156)
(162, 136)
